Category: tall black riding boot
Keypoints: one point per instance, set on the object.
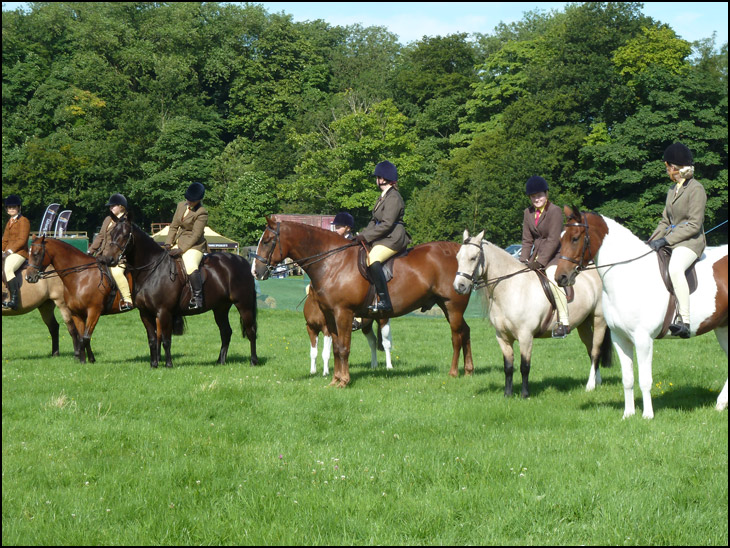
(13, 287)
(196, 283)
(381, 286)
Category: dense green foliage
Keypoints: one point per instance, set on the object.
(274, 116)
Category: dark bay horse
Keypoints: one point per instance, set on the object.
(87, 286)
(421, 279)
(45, 295)
(162, 292)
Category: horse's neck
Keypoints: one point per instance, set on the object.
(619, 244)
(145, 248)
(62, 255)
(498, 262)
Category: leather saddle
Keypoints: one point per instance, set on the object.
(187, 290)
(663, 256)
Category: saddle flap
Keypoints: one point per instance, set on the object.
(663, 256)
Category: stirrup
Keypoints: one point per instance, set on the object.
(356, 325)
(380, 307)
(561, 331)
(125, 305)
(679, 329)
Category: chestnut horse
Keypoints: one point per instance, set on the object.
(45, 295)
(316, 324)
(87, 286)
(162, 292)
(421, 278)
(635, 299)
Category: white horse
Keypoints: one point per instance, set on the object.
(519, 309)
(635, 299)
(316, 324)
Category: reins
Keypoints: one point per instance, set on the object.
(482, 282)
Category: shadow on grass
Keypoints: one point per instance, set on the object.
(686, 398)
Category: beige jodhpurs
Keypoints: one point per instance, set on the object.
(12, 263)
(682, 258)
(560, 299)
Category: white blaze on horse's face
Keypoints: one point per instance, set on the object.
(253, 263)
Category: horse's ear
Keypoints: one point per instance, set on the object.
(466, 235)
(480, 236)
(571, 212)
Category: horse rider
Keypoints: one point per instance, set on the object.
(681, 228)
(15, 247)
(542, 224)
(117, 205)
(187, 239)
(386, 231)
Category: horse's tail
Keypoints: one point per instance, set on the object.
(178, 325)
(254, 313)
(606, 359)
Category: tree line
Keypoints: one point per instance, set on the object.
(273, 115)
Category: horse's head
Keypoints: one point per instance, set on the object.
(120, 239)
(470, 259)
(38, 260)
(269, 252)
(579, 243)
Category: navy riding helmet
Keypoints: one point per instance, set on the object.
(387, 171)
(344, 219)
(195, 192)
(535, 184)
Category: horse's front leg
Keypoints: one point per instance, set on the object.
(644, 350)
(525, 363)
(79, 326)
(49, 318)
(387, 337)
(150, 325)
(625, 351)
(508, 354)
(92, 318)
(341, 346)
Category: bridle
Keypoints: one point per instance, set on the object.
(303, 262)
(586, 243)
(480, 262)
(122, 248)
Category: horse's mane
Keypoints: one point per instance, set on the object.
(68, 247)
(323, 232)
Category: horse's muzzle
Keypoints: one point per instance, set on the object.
(461, 285)
(32, 275)
(565, 280)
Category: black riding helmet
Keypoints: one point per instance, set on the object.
(117, 199)
(13, 200)
(535, 184)
(195, 192)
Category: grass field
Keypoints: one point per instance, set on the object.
(117, 453)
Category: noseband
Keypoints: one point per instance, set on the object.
(586, 243)
(470, 277)
(267, 260)
(122, 249)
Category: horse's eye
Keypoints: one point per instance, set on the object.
(575, 239)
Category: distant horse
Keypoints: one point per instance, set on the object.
(635, 299)
(421, 278)
(316, 324)
(162, 292)
(45, 295)
(520, 311)
(87, 286)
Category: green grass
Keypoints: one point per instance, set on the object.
(117, 453)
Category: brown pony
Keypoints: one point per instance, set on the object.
(87, 286)
(45, 296)
(422, 278)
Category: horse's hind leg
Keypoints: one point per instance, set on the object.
(49, 318)
(248, 326)
(508, 354)
(721, 334)
(150, 324)
(592, 337)
(224, 326)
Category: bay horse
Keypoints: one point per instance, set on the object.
(421, 279)
(635, 299)
(162, 293)
(45, 295)
(87, 286)
(316, 324)
(520, 311)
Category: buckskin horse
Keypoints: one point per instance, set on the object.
(87, 286)
(45, 295)
(520, 311)
(635, 299)
(421, 279)
(162, 293)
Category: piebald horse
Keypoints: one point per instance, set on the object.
(45, 295)
(421, 279)
(635, 299)
(520, 311)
